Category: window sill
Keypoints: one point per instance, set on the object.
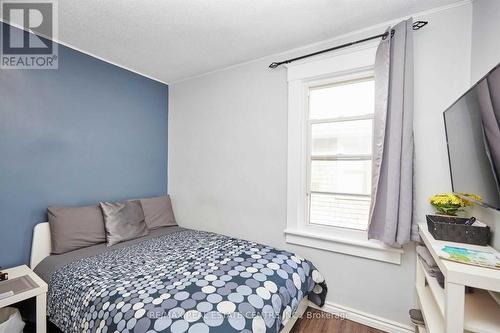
(360, 248)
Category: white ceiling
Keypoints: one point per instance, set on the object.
(174, 39)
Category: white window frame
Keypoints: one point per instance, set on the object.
(350, 64)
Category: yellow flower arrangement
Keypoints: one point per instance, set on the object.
(450, 203)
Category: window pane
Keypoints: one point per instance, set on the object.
(341, 176)
(346, 137)
(341, 211)
(343, 100)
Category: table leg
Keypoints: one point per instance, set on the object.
(41, 313)
(454, 308)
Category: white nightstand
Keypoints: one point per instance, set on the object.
(40, 292)
(450, 310)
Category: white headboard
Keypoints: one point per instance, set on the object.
(40, 246)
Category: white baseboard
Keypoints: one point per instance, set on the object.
(367, 319)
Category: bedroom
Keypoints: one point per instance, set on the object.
(183, 103)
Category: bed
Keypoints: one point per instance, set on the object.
(176, 280)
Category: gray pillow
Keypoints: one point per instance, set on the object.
(123, 221)
(72, 228)
(158, 212)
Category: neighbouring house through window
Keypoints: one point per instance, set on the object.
(340, 121)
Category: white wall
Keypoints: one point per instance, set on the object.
(228, 145)
(485, 37)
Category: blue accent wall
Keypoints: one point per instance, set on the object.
(84, 133)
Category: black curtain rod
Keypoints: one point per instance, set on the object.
(416, 26)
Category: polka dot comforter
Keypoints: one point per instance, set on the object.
(187, 281)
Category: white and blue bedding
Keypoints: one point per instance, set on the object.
(181, 281)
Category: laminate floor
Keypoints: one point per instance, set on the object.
(316, 321)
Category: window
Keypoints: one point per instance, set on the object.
(330, 120)
(340, 121)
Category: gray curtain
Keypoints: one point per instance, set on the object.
(391, 209)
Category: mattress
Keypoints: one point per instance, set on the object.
(178, 280)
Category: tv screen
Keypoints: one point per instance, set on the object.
(473, 135)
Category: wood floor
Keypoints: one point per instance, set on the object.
(316, 321)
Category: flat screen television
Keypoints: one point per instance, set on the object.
(473, 135)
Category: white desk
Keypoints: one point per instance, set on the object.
(40, 293)
(450, 310)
